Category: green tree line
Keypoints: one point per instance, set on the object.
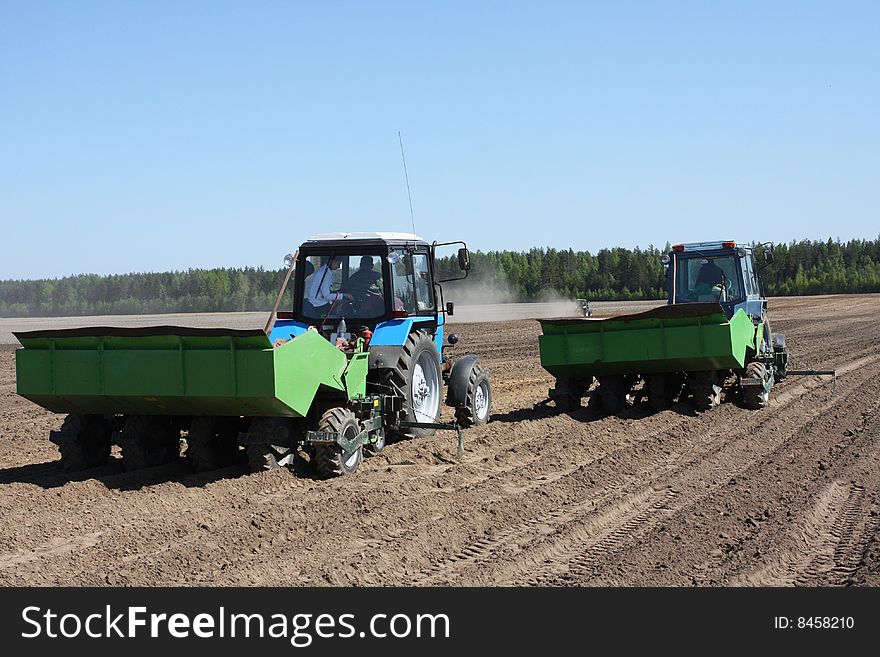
(194, 290)
(804, 267)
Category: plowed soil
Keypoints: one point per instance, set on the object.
(788, 495)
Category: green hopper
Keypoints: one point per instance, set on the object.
(670, 348)
(167, 370)
(683, 338)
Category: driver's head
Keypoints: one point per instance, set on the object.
(366, 263)
(709, 273)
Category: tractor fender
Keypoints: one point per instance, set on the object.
(458, 380)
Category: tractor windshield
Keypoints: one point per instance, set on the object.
(707, 278)
(342, 286)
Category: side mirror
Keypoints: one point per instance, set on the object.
(464, 259)
(768, 256)
(450, 308)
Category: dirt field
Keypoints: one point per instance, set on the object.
(784, 496)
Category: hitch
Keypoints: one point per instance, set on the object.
(454, 426)
(831, 373)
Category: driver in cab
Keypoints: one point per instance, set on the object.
(363, 286)
(320, 295)
(710, 280)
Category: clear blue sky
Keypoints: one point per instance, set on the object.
(156, 135)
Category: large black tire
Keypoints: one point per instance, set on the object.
(612, 393)
(705, 390)
(212, 443)
(478, 406)
(416, 379)
(83, 442)
(330, 460)
(757, 397)
(148, 441)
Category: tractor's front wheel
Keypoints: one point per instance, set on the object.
(83, 441)
(478, 400)
(331, 460)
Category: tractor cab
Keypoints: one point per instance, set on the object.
(380, 282)
(363, 278)
(722, 272)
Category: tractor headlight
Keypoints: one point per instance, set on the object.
(288, 260)
(664, 258)
(741, 252)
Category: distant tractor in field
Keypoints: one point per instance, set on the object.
(714, 327)
(359, 357)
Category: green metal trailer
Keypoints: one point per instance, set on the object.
(167, 370)
(669, 338)
(713, 328)
(140, 387)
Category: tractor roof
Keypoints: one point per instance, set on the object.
(709, 246)
(366, 238)
(388, 236)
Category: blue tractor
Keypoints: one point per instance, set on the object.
(381, 292)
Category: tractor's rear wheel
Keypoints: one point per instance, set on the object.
(416, 379)
(331, 460)
(705, 388)
(83, 441)
(478, 400)
(148, 440)
(212, 442)
(757, 397)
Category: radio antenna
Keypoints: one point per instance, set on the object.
(406, 176)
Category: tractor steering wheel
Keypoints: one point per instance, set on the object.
(725, 287)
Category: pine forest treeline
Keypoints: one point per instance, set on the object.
(798, 268)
